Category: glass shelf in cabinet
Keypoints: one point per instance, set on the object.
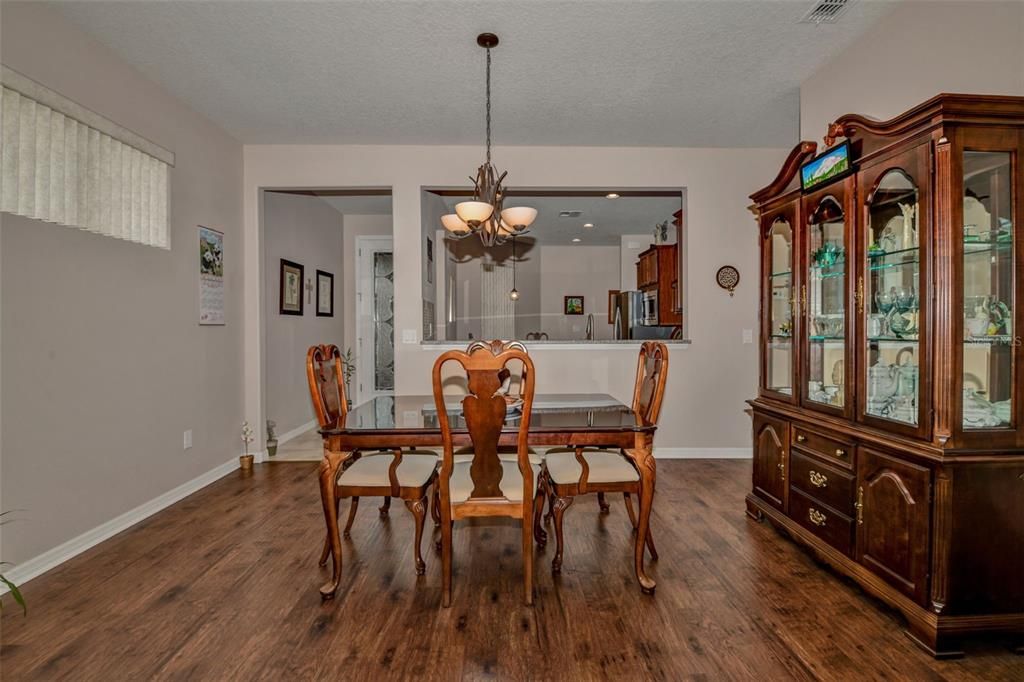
(816, 337)
(995, 339)
(894, 339)
(972, 248)
(875, 255)
(875, 267)
(781, 274)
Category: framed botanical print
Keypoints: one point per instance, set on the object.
(324, 294)
(291, 288)
(573, 305)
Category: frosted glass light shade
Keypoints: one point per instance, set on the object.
(453, 223)
(474, 212)
(519, 217)
(504, 228)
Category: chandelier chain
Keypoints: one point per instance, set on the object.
(488, 106)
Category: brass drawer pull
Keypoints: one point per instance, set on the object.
(782, 470)
(818, 480)
(816, 517)
(840, 452)
(801, 438)
(860, 506)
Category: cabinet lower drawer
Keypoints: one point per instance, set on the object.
(838, 451)
(828, 483)
(822, 520)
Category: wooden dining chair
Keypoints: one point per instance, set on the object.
(485, 485)
(385, 473)
(512, 394)
(570, 472)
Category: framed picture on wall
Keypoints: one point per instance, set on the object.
(324, 294)
(612, 293)
(573, 305)
(291, 288)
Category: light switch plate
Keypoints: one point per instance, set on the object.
(748, 336)
(187, 441)
(410, 418)
(408, 336)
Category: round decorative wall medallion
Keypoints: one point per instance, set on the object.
(728, 278)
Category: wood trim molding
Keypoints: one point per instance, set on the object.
(976, 109)
(52, 558)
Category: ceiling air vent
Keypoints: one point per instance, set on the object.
(570, 214)
(825, 12)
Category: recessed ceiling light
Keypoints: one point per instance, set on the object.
(588, 224)
(611, 195)
(576, 240)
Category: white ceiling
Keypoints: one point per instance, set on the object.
(721, 73)
(611, 218)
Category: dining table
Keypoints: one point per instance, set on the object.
(390, 422)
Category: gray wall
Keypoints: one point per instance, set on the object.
(103, 360)
(306, 230)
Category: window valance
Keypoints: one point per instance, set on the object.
(64, 164)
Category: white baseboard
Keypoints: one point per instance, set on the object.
(296, 432)
(52, 558)
(703, 453)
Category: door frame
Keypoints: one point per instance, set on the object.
(363, 386)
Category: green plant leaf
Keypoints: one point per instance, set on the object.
(16, 593)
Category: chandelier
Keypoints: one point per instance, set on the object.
(484, 216)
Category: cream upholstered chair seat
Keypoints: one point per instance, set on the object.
(461, 485)
(413, 471)
(605, 466)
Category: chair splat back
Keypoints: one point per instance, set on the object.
(651, 374)
(484, 411)
(326, 378)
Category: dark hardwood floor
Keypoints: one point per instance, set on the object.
(223, 586)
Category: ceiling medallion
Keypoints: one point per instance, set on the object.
(484, 215)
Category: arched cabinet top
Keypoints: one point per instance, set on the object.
(789, 172)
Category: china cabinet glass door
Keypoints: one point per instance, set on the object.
(888, 296)
(988, 290)
(779, 270)
(825, 301)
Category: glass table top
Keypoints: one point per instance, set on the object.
(551, 412)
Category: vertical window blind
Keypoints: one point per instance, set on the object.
(62, 163)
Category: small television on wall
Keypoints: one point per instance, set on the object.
(830, 165)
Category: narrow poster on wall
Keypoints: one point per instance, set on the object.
(211, 276)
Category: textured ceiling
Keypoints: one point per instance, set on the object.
(721, 73)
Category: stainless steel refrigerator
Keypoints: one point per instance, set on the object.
(628, 313)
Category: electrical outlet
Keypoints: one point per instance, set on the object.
(408, 336)
(411, 418)
(188, 440)
(748, 336)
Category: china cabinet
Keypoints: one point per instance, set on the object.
(888, 430)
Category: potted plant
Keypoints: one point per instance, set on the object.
(15, 592)
(271, 438)
(245, 461)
